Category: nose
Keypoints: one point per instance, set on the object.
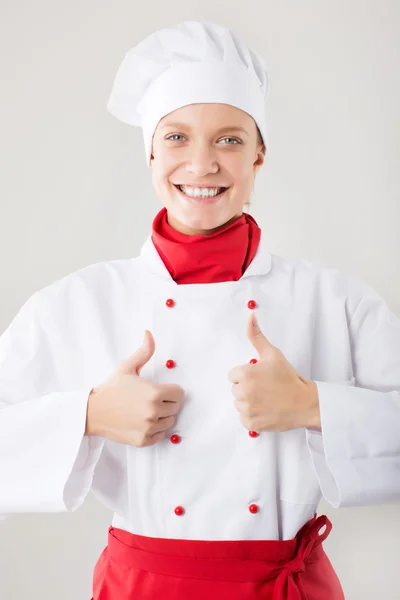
(201, 160)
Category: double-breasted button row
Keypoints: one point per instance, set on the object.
(176, 439)
(179, 510)
(170, 302)
(171, 364)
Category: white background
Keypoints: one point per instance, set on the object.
(75, 189)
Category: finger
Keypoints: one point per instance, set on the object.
(161, 424)
(170, 391)
(153, 439)
(167, 408)
(236, 374)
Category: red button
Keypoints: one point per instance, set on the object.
(175, 438)
(179, 510)
(252, 304)
(253, 434)
(170, 302)
(170, 364)
(253, 508)
(253, 361)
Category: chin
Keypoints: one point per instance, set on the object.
(203, 224)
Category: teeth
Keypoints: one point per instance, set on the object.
(200, 192)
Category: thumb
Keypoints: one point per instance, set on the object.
(257, 338)
(134, 364)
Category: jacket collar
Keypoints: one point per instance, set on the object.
(151, 260)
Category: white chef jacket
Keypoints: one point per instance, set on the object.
(70, 336)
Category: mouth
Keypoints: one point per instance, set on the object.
(201, 199)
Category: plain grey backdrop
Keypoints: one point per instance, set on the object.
(75, 189)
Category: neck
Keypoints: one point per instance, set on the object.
(206, 257)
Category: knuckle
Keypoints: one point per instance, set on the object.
(176, 407)
(156, 395)
(151, 413)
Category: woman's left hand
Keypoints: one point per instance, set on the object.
(270, 394)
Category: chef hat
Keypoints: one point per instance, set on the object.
(191, 62)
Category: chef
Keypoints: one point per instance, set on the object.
(207, 391)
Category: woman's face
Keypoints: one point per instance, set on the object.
(209, 146)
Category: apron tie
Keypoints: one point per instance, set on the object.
(286, 588)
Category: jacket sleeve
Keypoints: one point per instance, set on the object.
(46, 461)
(356, 454)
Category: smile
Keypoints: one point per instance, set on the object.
(200, 199)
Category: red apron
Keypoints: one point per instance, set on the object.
(135, 567)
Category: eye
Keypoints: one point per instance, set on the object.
(234, 139)
(173, 135)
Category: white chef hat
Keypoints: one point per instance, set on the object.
(191, 62)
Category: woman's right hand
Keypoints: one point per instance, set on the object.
(129, 409)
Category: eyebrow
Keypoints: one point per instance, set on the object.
(183, 126)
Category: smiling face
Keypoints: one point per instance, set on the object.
(205, 146)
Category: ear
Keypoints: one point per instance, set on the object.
(258, 163)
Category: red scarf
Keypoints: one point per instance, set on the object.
(221, 256)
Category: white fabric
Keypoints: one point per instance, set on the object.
(70, 336)
(191, 62)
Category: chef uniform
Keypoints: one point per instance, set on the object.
(213, 510)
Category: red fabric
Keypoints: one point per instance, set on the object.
(221, 256)
(135, 567)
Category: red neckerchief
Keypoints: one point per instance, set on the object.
(220, 256)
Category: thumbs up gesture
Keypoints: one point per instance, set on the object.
(271, 395)
(130, 409)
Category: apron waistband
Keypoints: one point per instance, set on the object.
(232, 560)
